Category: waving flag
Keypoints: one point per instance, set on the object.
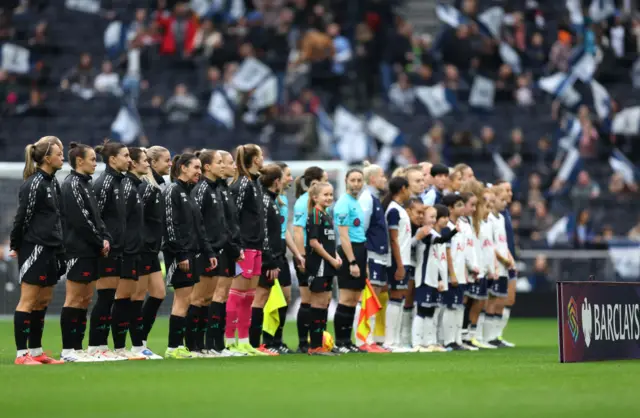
(583, 64)
(449, 15)
(570, 166)
(560, 86)
(369, 306)
(558, 232)
(504, 171)
(250, 75)
(490, 21)
(221, 109)
(625, 257)
(435, 99)
(380, 128)
(573, 132)
(627, 122)
(483, 91)
(349, 132)
(510, 57)
(600, 10)
(126, 127)
(601, 100)
(621, 165)
(15, 59)
(575, 12)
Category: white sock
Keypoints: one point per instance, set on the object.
(21, 353)
(405, 327)
(66, 352)
(103, 348)
(417, 331)
(359, 342)
(459, 322)
(506, 314)
(480, 326)
(438, 318)
(35, 352)
(487, 329)
(449, 329)
(430, 332)
(392, 323)
(92, 349)
(243, 341)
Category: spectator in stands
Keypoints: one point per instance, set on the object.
(80, 78)
(516, 33)
(452, 79)
(457, 49)
(34, 106)
(277, 48)
(434, 143)
(39, 42)
(343, 55)
(534, 191)
(401, 95)
(560, 52)
(505, 84)
(634, 233)
(542, 221)
(588, 142)
(584, 190)
(543, 157)
(397, 53)
(423, 76)
(523, 93)
(516, 151)
(270, 11)
(535, 57)
(181, 106)
(582, 234)
(107, 81)
(207, 40)
(539, 277)
(488, 138)
(366, 63)
(179, 31)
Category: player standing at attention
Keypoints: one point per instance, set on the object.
(466, 172)
(232, 253)
(511, 297)
(400, 271)
(431, 278)
(415, 177)
(184, 239)
(472, 269)
(323, 262)
(311, 176)
(274, 342)
(271, 183)
(352, 276)
(247, 193)
(455, 182)
(122, 313)
(85, 241)
(375, 228)
(499, 289)
(150, 279)
(209, 202)
(111, 204)
(440, 178)
(36, 240)
(415, 209)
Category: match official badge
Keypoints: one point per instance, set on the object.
(587, 324)
(572, 311)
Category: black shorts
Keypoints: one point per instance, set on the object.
(177, 278)
(302, 276)
(428, 297)
(454, 296)
(345, 279)
(203, 267)
(149, 263)
(82, 270)
(477, 290)
(321, 284)
(403, 284)
(285, 272)
(499, 287)
(130, 269)
(38, 265)
(377, 273)
(109, 267)
(226, 264)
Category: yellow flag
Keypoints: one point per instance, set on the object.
(274, 303)
(370, 305)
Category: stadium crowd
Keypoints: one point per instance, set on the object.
(165, 59)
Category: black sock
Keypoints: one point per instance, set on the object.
(69, 318)
(120, 322)
(318, 325)
(223, 324)
(341, 324)
(136, 326)
(255, 330)
(37, 327)
(268, 339)
(214, 336)
(177, 327)
(101, 318)
(193, 319)
(282, 313)
(81, 327)
(349, 331)
(149, 312)
(303, 324)
(202, 327)
(21, 328)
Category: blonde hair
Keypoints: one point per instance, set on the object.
(154, 153)
(399, 172)
(244, 159)
(369, 170)
(477, 189)
(34, 154)
(314, 191)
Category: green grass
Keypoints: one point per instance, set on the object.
(526, 381)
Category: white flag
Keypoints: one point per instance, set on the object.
(560, 85)
(601, 100)
(626, 260)
(265, 95)
(15, 59)
(569, 164)
(627, 122)
(112, 34)
(621, 165)
(558, 232)
(349, 131)
(87, 6)
(251, 73)
(585, 66)
(125, 126)
(505, 172)
(492, 20)
(435, 99)
(382, 129)
(575, 12)
(221, 110)
(601, 9)
(573, 133)
(483, 93)
(510, 57)
(449, 15)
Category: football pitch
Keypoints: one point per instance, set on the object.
(526, 381)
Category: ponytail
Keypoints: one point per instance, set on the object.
(175, 172)
(244, 159)
(303, 182)
(179, 161)
(34, 154)
(298, 186)
(29, 163)
(396, 185)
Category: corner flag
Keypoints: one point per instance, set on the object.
(276, 301)
(370, 305)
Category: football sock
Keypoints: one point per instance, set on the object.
(193, 323)
(37, 327)
(405, 326)
(449, 326)
(21, 330)
(177, 327)
(69, 318)
(120, 322)
(136, 328)
(282, 314)
(317, 326)
(303, 323)
(244, 315)
(417, 331)
(101, 318)
(506, 314)
(232, 306)
(149, 312)
(214, 335)
(392, 322)
(341, 323)
(255, 330)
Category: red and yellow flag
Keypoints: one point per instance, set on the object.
(369, 306)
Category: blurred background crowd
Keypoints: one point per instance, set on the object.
(166, 72)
